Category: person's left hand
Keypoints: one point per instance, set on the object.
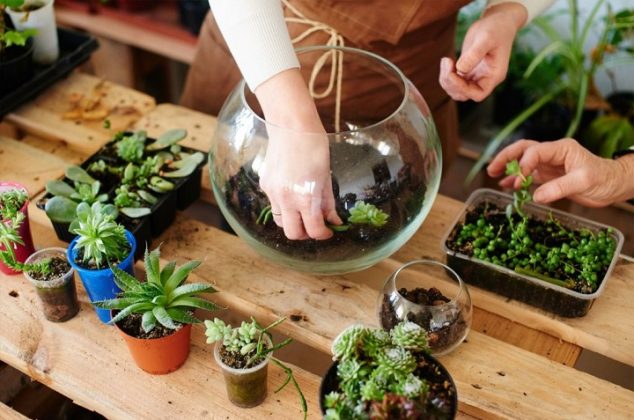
(486, 50)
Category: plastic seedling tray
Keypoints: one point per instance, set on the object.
(504, 281)
(188, 188)
(75, 48)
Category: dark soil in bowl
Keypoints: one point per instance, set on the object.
(441, 402)
(131, 325)
(399, 195)
(237, 360)
(59, 266)
(439, 338)
(92, 266)
(59, 303)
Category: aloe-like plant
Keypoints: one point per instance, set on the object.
(9, 238)
(11, 201)
(62, 206)
(576, 81)
(101, 240)
(163, 298)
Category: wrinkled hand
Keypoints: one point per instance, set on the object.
(567, 169)
(296, 179)
(486, 50)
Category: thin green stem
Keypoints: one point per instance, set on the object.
(291, 378)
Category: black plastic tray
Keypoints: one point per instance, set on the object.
(74, 49)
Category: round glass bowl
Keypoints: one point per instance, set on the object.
(384, 152)
(431, 295)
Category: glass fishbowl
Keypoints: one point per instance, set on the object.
(385, 162)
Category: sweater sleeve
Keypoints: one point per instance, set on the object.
(533, 7)
(257, 36)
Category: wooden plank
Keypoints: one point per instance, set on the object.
(28, 165)
(59, 149)
(80, 359)
(126, 33)
(43, 116)
(8, 413)
(493, 377)
(597, 331)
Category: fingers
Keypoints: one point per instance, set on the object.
(497, 166)
(473, 54)
(454, 85)
(293, 226)
(558, 188)
(328, 206)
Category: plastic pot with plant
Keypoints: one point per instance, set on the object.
(381, 375)
(16, 243)
(244, 353)
(531, 253)
(100, 245)
(16, 50)
(38, 16)
(154, 317)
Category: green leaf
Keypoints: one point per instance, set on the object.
(78, 174)
(190, 290)
(148, 321)
(180, 275)
(136, 212)
(120, 303)
(124, 280)
(163, 317)
(59, 188)
(168, 138)
(167, 271)
(19, 38)
(134, 308)
(60, 209)
(182, 316)
(152, 269)
(192, 303)
(13, 4)
(147, 197)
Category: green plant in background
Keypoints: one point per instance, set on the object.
(521, 196)
(101, 239)
(572, 86)
(377, 369)
(248, 341)
(9, 37)
(131, 147)
(608, 134)
(163, 298)
(11, 201)
(62, 206)
(133, 203)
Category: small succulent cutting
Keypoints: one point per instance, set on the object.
(131, 147)
(378, 370)
(11, 201)
(101, 240)
(9, 238)
(164, 298)
(62, 207)
(248, 344)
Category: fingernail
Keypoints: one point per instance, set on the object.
(539, 196)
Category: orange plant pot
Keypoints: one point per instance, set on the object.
(160, 356)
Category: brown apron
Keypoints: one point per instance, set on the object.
(412, 34)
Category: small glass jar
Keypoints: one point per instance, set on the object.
(431, 295)
(59, 295)
(246, 388)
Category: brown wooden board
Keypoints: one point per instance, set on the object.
(89, 362)
(492, 377)
(44, 116)
(8, 413)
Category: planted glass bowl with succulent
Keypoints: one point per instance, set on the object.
(531, 253)
(243, 353)
(100, 245)
(16, 243)
(384, 375)
(384, 161)
(431, 295)
(154, 317)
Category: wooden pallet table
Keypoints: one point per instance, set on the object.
(516, 362)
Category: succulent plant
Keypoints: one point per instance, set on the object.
(368, 214)
(131, 147)
(11, 201)
(163, 298)
(62, 207)
(409, 335)
(101, 239)
(349, 343)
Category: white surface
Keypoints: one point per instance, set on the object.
(43, 20)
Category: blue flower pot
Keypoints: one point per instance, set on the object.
(99, 284)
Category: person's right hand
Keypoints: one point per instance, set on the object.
(296, 171)
(567, 169)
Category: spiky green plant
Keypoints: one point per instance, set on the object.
(9, 239)
(101, 239)
(11, 201)
(410, 336)
(163, 298)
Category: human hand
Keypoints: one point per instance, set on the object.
(567, 169)
(296, 171)
(486, 50)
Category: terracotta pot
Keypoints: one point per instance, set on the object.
(160, 356)
(246, 388)
(22, 252)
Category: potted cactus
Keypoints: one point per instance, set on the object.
(154, 317)
(384, 375)
(100, 245)
(15, 236)
(244, 353)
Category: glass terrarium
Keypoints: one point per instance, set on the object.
(385, 162)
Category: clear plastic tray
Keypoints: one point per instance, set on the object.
(504, 281)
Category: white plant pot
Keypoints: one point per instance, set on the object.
(43, 20)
